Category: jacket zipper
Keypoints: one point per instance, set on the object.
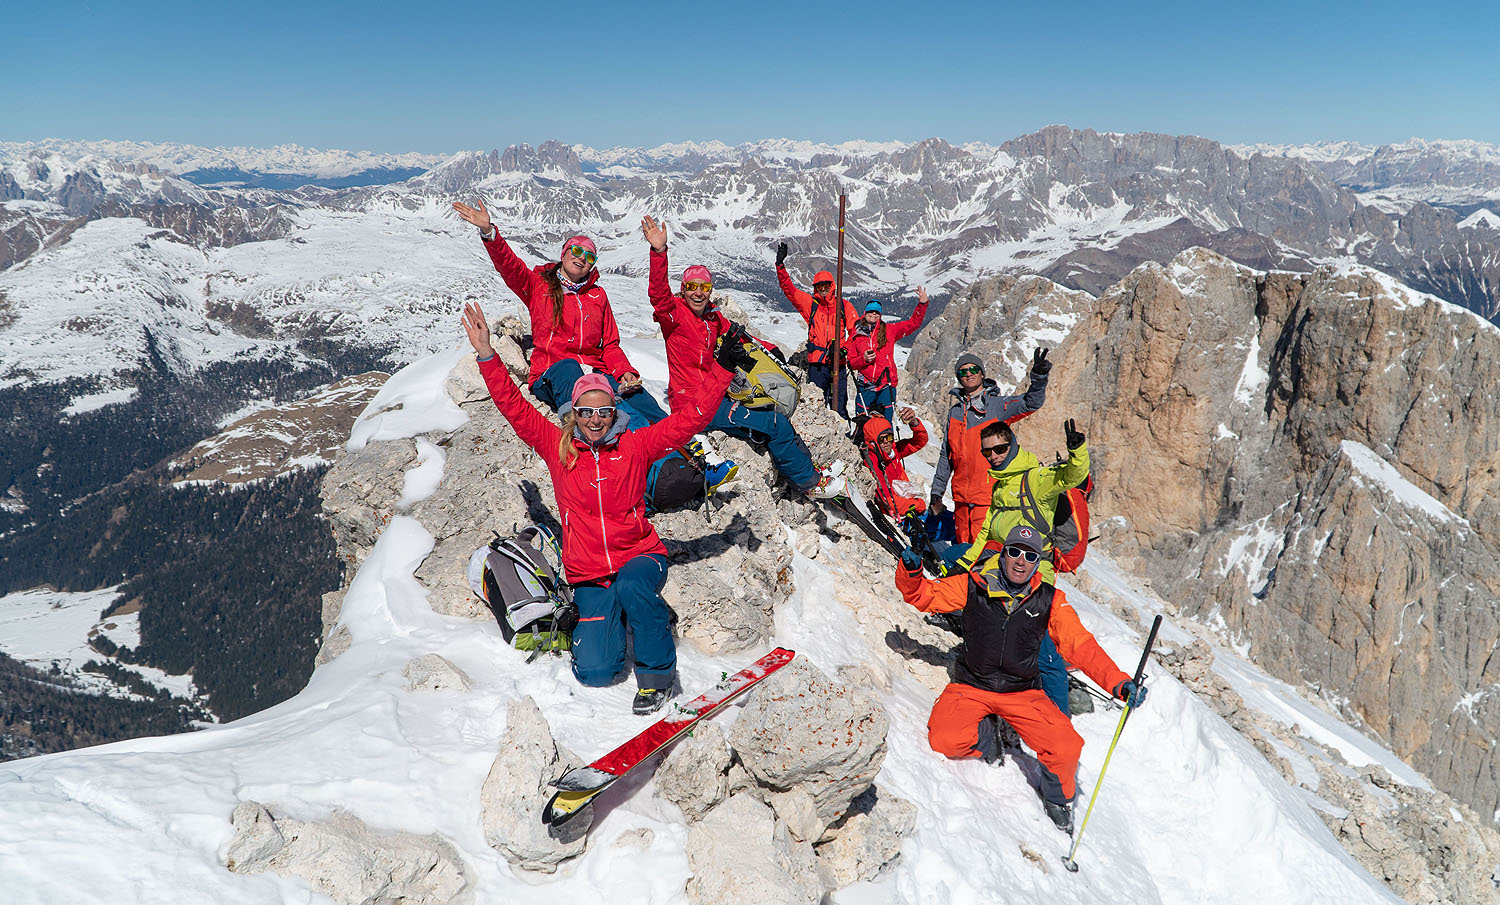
(603, 531)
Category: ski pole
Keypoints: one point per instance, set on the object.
(1140, 671)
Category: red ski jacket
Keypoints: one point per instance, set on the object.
(587, 331)
(689, 338)
(886, 470)
(819, 314)
(882, 371)
(602, 497)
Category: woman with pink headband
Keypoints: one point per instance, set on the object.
(573, 329)
(613, 558)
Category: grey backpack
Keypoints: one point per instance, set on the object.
(513, 576)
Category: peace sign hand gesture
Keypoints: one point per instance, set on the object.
(475, 215)
(655, 233)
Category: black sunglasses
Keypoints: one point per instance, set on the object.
(998, 449)
(1022, 553)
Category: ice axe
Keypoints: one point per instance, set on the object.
(1140, 672)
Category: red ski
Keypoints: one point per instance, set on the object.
(578, 786)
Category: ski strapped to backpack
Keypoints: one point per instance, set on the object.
(533, 607)
(577, 787)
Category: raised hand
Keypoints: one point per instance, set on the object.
(909, 415)
(478, 216)
(1039, 363)
(655, 233)
(921, 295)
(478, 330)
(1072, 434)
(781, 254)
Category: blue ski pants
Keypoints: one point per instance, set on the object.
(775, 431)
(822, 377)
(629, 601)
(555, 387)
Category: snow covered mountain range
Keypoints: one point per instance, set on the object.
(1463, 175)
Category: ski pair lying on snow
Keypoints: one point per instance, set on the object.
(577, 787)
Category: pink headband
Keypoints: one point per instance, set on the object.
(585, 241)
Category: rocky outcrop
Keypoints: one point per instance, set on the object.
(764, 864)
(517, 789)
(801, 731)
(275, 441)
(345, 860)
(1305, 457)
(433, 672)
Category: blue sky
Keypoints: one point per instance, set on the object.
(442, 77)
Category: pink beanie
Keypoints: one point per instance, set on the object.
(587, 383)
(699, 273)
(585, 241)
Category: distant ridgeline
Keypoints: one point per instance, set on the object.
(234, 176)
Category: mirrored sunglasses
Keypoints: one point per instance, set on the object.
(601, 411)
(578, 251)
(966, 370)
(1022, 553)
(695, 285)
(886, 437)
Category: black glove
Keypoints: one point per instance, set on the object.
(1073, 435)
(731, 354)
(1039, 363)
(781, 254)
(736, 334)
(567, 617)
(1131, 693)
(935, 503)
(910, 560)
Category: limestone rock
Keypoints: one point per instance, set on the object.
(692, 776)
(867, 838)
(432, 672)
(516, 791)
(345, 860)
(1303, 455)
(739, 853)
(800, 730)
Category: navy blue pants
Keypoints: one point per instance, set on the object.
(555, 387)
(773, 429)
(1054, 671)
(607, 609)
(822, 377)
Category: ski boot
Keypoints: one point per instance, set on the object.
(649, 700)
(1061, 814)
(830, 482)
(714, 476)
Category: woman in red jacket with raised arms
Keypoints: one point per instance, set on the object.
(613, 559)
(872, 356)
(573, 330)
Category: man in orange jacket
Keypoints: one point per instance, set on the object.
(819, 310)
(1006, 610)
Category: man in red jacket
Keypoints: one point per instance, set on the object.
(819, 310)
(884, 457)
(1007, 608)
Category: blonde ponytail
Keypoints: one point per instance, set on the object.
(567, 453)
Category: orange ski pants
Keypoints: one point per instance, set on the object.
(968, 518)
(953, 727)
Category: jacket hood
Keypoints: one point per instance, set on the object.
(1018, 461)
(874, 428)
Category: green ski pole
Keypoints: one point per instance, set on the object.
(1140, 671)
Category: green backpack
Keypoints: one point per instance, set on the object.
(766, 383)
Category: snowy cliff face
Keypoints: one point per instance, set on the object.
(1308, 461)
(1457, 174)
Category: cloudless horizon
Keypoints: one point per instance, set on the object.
(391, 78)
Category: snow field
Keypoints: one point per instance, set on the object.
(1190, 813)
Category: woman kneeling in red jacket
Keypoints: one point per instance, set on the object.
(613, 558)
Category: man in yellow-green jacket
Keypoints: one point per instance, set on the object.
(1025, 491)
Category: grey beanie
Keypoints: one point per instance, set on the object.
(968, 358)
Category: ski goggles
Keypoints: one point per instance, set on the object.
(578, 251)
(996, 449)
(1022, 553)
(966, 370)
(598, 411)
(696, 285)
